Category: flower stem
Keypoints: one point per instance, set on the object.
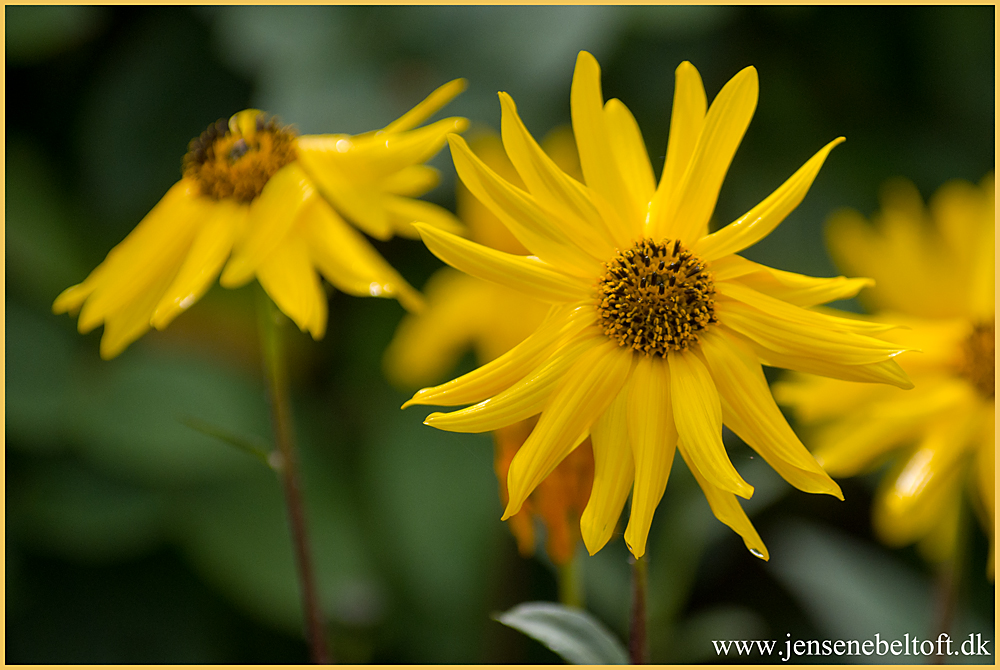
(276, 372)
(638, 648)
(949, 582)
(570, 583)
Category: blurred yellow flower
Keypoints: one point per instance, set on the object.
(934, 274)
(657, 329)
(276, 205)
(558, 501)
(464, 311)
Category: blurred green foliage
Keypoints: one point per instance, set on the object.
(132, 538)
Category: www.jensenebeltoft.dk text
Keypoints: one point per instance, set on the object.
(974, 645)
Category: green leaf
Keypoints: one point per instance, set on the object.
(572, 633)
(250, 444)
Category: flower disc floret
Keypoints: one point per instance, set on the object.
(656, 297)
(979, 362)
(229, 163)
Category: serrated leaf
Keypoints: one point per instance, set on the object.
(572, 633)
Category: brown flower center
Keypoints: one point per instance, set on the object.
(979, 360)
(656, 297)
(230, 161)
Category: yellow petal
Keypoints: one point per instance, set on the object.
(815, 318)
(795, 338)
(630, 154)
(756, 224)
(404, 212)
(384, 153)
(204, 260)
(272, 214)
(982, 285)
(522, 273)
(686, 215)
(524, 399)
(412, 181)
(555, 191)
(73, 297)
(613, 474)
(125, 325)
(586, 391)
(653, 437)
(500, 373)
(726, 508)
(904, 254)
(516, 209)
(698, 417)
(887, 372)
(909, 502)
(348, 184)
(152, 251)
(600, 169)
(800, 290)
(985, 467)
(687, 118)
(348, 261)
(819, 398)
(289, 278)
(749, 409)
(428, 106)
(846, 448)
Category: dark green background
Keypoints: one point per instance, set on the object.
(131, 538)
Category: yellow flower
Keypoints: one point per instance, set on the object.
(657, 329)
(935, 275)
(276, 205)
(463, 311)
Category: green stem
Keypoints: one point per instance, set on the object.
(638, 647)
(276, 372)
(570, 583)
(950, 577)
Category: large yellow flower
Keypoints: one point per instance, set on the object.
(657, 329)
(276, 205)
(935, 275)
(464, 311)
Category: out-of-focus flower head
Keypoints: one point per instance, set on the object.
(934, 273)
(276, 205)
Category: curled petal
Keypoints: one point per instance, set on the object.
(518, 211)
(796, 338)
(522, 273)
(726, 508)
(756, 224)
(614, 469)
(440, 97)
(754, 416)
(797, 289)
(597, 159)
(586, 391)
(691, 205)
(653, 436)
(500, 373)
(698, 417)
(555, 191)
(523, 400)
(687, 119)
